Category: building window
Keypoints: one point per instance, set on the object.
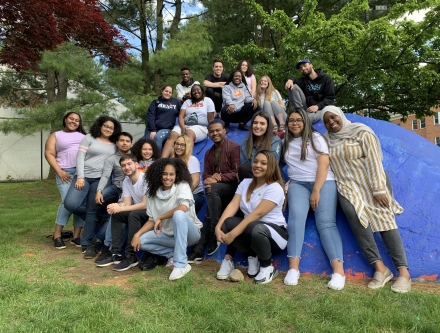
(437, 140)
(414, 124)
(422, 123)
(436, 118)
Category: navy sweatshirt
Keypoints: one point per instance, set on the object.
(162, 114)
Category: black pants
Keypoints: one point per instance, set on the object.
(216, 98)
(135, 220)
(220, 196)
(239, 116)
(259, 239)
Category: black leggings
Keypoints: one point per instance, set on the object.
(259, 239)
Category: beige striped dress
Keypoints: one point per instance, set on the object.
(359, 174)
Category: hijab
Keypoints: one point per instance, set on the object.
(348, 129)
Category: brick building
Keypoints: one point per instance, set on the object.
(428, 127)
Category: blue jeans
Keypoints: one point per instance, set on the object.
(63, 214)
(185, 234)
(298, 198)
(160, 138)
(82, 203)
(111, 194)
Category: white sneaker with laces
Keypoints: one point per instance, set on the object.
(266, 275)
(177, 273)
(226, 269)
(291, 278)
(253, 267)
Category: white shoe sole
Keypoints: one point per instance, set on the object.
(273, 276)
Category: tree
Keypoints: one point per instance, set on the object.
(31, 27)
(375, 65)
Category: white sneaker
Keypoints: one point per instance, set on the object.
(177, 273)
(266, 275)
(337, 282)
(253, 267)
(170, 263)
(291, 278)
(226, 269)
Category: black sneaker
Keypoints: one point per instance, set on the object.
(59, 243)
(112, 260)
(195, 258)
(126, 263)
(243, 127)
(83, 248)
(92, 250)
(213, 245)
(105, 253)
(76, 242)
(149, 261)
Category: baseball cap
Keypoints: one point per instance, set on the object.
(302, 61)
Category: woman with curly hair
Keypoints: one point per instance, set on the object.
(60, 152)
(262, 231)
(93, 151)
(195, 115)
(183, 148)
(270, 100)
(146, 152)
(171, 208)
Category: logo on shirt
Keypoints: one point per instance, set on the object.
(314, 87)
(260, 193)
(237, 93)
(166, 106)
(196, 105)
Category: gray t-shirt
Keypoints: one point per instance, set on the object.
(112, 166)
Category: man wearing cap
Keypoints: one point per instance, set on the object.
(312, 92)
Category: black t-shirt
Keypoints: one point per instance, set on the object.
(213, 79)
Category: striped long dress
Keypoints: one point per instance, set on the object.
(359, 175)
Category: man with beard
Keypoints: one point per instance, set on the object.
(312, 92)
(220, 180)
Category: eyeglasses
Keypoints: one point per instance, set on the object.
(110, 128)
(293, 121)
(176, 144)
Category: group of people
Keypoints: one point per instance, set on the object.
(149, 199)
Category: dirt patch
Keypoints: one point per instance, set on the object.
(80, 270)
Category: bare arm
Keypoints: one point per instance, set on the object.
(127, 206)
(321, 176)
(195, 180)
(50, 154)
(182, 120)
(209, 84)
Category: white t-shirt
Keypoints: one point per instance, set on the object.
(193, 167)
(135, 191)
(273, 192)
(201, 109)
(305, 171)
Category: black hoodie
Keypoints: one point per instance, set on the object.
(319, 91)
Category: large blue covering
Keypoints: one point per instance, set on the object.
(413, 165)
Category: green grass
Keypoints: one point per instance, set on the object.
(45, 290)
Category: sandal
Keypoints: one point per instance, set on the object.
(275, 129)
(282, 128)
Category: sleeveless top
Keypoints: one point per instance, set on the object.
(66, 146)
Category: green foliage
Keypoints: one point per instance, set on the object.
(375, 65)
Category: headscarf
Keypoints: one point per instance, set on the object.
(348, 129)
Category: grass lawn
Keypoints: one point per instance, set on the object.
(47, 290)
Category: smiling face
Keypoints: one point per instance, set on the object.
(186, 75)
(196, 93)
(259, 166)
(179, 147)
(332, 122)
(218, 69)
(264, 83)
(129, 168)
(295, 124)
(167, 92)
(72, 122)
(216, 133)
(107, 129)
(244, 66)
(147, 151)
(168, 177)
(259, 126)
(123, 144)
(306, 69)
(236, 79)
